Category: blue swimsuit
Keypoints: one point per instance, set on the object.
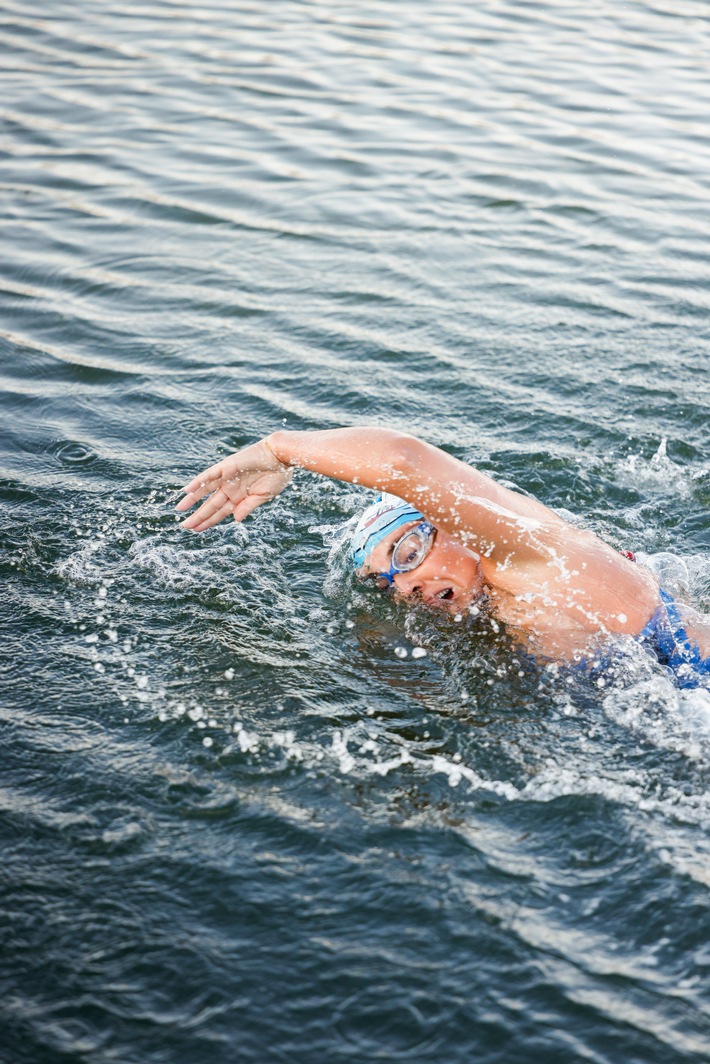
(666, 635)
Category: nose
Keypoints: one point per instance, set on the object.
(406, 583)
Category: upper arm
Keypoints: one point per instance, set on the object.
(463, 501)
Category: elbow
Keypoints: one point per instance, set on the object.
(404, 459)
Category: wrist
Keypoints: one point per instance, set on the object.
(274, 446)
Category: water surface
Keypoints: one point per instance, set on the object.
(241, 820)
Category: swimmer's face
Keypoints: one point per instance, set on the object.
(449, 578)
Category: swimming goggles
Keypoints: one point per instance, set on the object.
(409, 551)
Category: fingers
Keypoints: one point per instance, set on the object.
(205, 482)
(200, 524)
(205, 488)
(216, 502)
(189, 500)
(218, 507)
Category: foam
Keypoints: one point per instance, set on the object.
(657, 475)
(670, 719)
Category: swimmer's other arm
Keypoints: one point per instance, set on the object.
(453, 495)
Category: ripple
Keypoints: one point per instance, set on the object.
(72, 452)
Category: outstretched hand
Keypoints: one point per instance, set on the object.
(236, 486)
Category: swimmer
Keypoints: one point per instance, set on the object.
(445, 534)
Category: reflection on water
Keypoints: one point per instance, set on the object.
(248, 808)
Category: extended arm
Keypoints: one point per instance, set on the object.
(465, 502)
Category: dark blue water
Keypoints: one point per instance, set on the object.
(241, 820)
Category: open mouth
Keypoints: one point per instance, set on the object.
(439, 598)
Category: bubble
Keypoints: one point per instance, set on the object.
(340, 749)
(247, 743)
(400, 652)
(419, 652)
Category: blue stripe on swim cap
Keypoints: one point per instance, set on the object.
(382, 517)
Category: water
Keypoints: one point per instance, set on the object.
(243, 820)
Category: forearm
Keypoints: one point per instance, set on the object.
(374, 457)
